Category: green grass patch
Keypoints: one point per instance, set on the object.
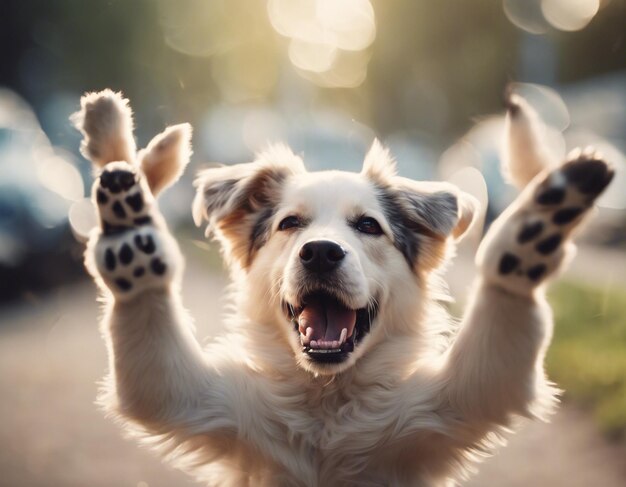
(588, 354)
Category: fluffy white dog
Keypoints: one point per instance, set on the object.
(339, 366)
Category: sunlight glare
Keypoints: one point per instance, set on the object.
(569, 15)
(526, 15)
(351, 22)
(348, 71)
(82, 217)
(312, 56)
(327, 38)
(233, 72)
(194, 29)
(295, 19)
(61, 177)
(261, 127)
(547, 102)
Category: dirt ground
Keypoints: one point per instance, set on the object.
(51, 357)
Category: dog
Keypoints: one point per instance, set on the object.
(340, 366)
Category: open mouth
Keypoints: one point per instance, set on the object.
(328, 329)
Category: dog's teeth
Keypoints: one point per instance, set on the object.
(344, 336)
(314, 344)
(306, 339)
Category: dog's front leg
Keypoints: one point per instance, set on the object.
(159, 376)
(495, 367)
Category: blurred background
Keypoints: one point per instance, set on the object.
(325, 76)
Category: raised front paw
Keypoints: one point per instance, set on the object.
(124, 200)
(530, 240)
(134, 250)
(137, 259)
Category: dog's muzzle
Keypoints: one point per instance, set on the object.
(328, 329)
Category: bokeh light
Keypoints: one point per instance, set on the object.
(57, 174)
(526, 15)
(312, 56)
(246, 72)
(82, 217)
(328, 39)
(348, 71)
(553, 118)
(546, 101)
(537, 16)
(195, 27)
(569, 15)
(349, 24)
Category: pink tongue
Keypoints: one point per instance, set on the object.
(327, 318)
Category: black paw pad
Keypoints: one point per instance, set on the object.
(109, 229)
(135, 202)
(126, 179)
(108, 181)
(589, 176)
(143, 220)
(566, 215)
(101, 198)
(139, 271)
(508, 263)
(157, 266)
(119, 210)
(146, 246)
(126, 254)
(551, 196)
(549, 245)
(109, 260)
(116, 181)
(529, 232)
(123, 284)
(535, 272)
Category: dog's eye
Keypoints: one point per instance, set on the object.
(369, 225)
(289, 222)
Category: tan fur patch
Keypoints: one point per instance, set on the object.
(106, 122)
(165, 157)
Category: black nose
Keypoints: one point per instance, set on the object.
(321, 255)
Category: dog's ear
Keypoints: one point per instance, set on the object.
(239, 201)
(379, 165)
(106, 122)
(424, 217)
(440, 209)
(164, 159)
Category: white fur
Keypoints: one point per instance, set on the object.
(414, 405)
(525, 153)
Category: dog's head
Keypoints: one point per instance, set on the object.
(333, 261)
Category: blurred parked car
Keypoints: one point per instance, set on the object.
(37, 186)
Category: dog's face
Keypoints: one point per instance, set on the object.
(333, 260)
